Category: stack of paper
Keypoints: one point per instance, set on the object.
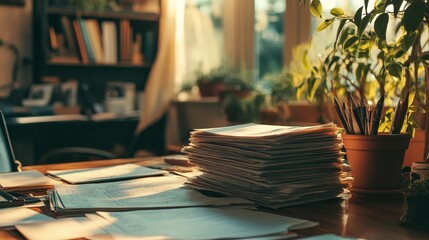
(28, 180)
(274, 166)
(144, 193)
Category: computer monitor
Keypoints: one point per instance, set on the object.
(7, 157)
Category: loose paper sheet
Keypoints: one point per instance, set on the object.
(58, 229)
(201, 223)
(151, 192)
(13, 216)
(25, 180)
(102, 174)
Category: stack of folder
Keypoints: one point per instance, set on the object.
(274, 166)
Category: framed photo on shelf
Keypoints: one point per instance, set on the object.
(40, 95)
(68, 93)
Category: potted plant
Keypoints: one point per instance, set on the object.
(364, 55)
(417, 213)
(243, 109)
(211, 84)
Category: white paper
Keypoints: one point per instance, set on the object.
(14, 216)
(327, 237)
(151, 192)
(58, 229)
(201, 223)
(110, 173)
(25, 180)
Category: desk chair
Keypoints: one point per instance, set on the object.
(152, 140)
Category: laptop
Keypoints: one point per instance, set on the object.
(8, 162)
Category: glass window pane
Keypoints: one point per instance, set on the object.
(269, 36)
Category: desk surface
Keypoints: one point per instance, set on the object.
(348, 218)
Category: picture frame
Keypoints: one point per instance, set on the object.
(40, 95)
(69, 93)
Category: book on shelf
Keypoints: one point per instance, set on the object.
(53, 39)
(109, 41)
(80, 42)
(126, 38)
(149, 49)
(68, 33)
(94, 35)
(137, 56)
(86, 40)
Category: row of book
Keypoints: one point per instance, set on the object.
(91, 41)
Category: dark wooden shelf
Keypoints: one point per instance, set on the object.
(105, 14)
(90, 65)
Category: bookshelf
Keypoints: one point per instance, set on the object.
(94, 46)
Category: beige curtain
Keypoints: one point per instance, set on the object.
(238, 32)
(296, 27)
(159, 90)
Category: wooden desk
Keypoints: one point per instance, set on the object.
(359, 219)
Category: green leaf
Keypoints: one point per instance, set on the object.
(316, 8)
(380, 25)
(315, 86)
(337, 12)
(396, 6)
(333, 60)
(409, 40)
(411, 97)
(366, 6)
(395, 69)
(380, 5)
(413, 15)
(325, 24)
(425, 56)
(399, 54)
(340, 28)
(364, 45)
(349, 42)
(358, 17)
(365, 21)
(359, 71)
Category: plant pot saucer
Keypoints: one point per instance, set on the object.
(391, 194)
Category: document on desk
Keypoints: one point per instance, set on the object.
(199, 223)
(10, 217)
(26, 180)
(63, 228)
(104, 174)
(144, 193)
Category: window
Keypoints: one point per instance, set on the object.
(251, 35)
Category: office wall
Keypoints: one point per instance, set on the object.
(15, 27)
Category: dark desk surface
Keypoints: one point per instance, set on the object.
(33, 136)
(348, 218)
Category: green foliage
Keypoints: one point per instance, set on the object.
(243, 109)
(234, 79)
(280, 86)
(364, 57)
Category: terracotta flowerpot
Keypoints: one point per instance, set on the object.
(211, 89)
(376, 160)
(415, 152)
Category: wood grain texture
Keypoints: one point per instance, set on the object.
(344, 217)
